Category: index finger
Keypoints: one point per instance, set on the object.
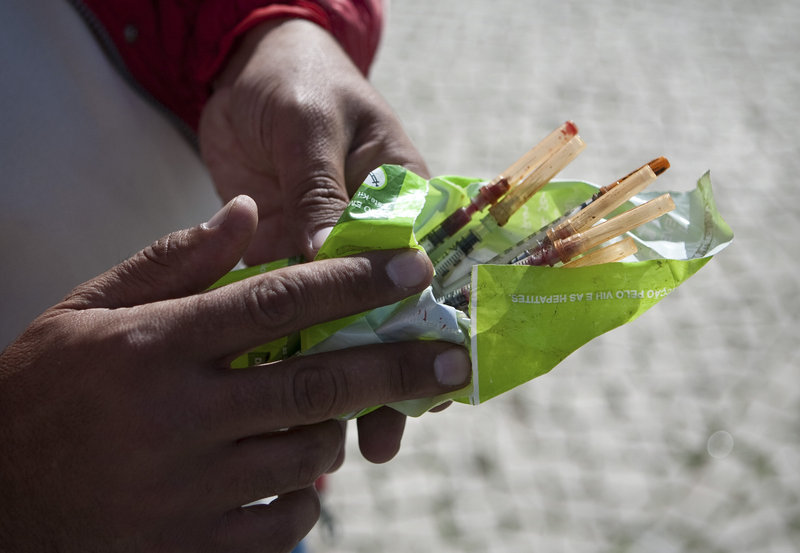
(228, 321)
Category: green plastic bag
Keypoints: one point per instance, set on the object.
(523, 321)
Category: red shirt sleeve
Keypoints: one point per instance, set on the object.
(174, 48)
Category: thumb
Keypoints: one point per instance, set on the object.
(181, 263)
(314, 202)
(312, 180)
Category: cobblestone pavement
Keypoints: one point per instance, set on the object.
(678, 432)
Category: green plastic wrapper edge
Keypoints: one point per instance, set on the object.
(523, 320)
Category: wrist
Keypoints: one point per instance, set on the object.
(282, 40)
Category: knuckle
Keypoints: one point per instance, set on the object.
(150, 265)
(316, 109)
(276, 303)
(166, 251)
(400, 376)
(316, 115)
(320, 190)
(316, 392)
(293, 299)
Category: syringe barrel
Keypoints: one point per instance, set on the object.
(576, 244)
(505, 208)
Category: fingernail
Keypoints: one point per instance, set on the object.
(408, 269)
(452, 367)
(220, 216)
(319, 238)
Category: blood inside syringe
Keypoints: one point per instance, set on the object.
(487, 195)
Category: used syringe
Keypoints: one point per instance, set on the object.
(539, 153)
(604, 201)
(564, 249)
(459, 298)
(508, 179)
(527, 188)
(487, 195)
(601, 204)
(608, 198)
(611, 253)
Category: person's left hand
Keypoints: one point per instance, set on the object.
(295, 125)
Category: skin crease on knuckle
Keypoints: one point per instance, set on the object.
(301, 295)
(399, 380)
(318, 390)
(277, 303)
(315, 391)
(165, 252)
(319, 194)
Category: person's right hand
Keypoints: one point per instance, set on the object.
(123, 429)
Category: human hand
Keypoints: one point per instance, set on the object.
(296, 126)
(124, 430)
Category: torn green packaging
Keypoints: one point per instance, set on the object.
(522, 321)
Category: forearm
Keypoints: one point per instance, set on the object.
(174, 50)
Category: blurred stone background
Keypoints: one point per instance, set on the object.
(678, 432)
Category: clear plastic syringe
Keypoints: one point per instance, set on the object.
(487, 195)
(606, 200)
(492, 192)
(563, 250)
(514, 199)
